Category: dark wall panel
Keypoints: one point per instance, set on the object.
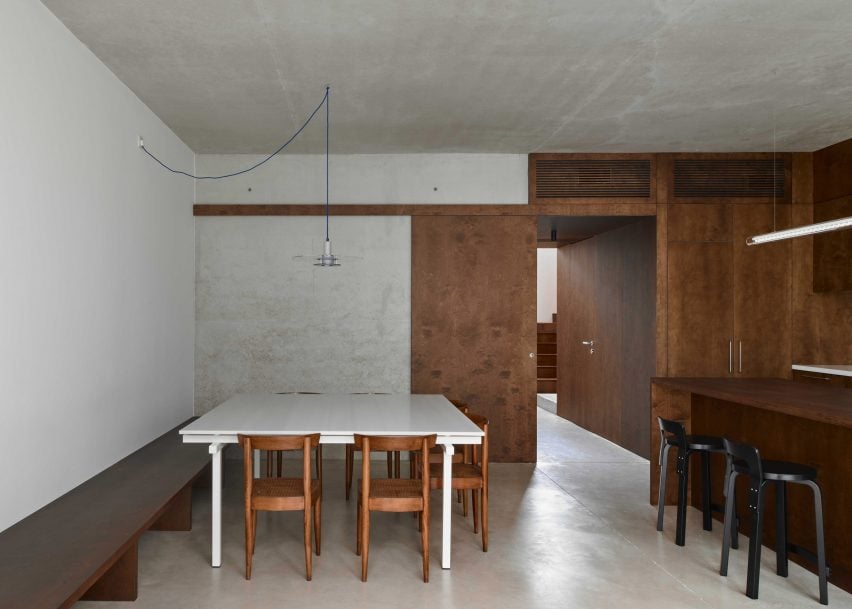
(822, 321)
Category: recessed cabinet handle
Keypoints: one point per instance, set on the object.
(741, 357)
(731, 356)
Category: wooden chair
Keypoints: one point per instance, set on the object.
(351, 449)
(392, 494)
(281, 494)
(275, 459)
(436, 455)
(471, 476)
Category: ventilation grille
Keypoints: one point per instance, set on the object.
(581, 178)
(762, 178)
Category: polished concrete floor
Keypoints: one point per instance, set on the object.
(576, 530)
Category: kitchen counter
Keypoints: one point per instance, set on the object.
(825, 404)
(786, 420)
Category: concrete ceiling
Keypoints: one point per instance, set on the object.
(240, 76)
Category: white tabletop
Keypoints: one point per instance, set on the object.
(335, 416)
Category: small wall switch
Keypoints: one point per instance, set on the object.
(141, 142)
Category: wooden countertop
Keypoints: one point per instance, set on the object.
(832, 405)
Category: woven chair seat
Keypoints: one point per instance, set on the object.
(394, 488)
(282, 487)
(460, 471)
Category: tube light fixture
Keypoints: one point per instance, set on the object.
(801, 231)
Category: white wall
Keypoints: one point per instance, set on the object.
(96, 266)
(546, 286)
(367, 178)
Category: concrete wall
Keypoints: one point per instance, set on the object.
(367, 178)
(546, 284)
(268, 321)
(96, 261)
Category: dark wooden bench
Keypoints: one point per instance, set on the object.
(84, 544)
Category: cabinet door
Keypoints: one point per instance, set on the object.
(700, 308)
(762, 293)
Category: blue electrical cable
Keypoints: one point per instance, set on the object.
(327, 99)
(256, 165)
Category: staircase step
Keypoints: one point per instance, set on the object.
(546, 372)
(547, 348)
(547, 337)
(546, 360)
(546, 327)
(546, 386)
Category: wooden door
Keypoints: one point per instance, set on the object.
(575, 297)
(762, 294)
(700, 308)
(473, 321)
(607, 372)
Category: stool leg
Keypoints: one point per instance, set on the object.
(735, 530)
(705, 491)
(730, 520)
(735, 541)
(350, 459)
(753, 575)
(682, 486)
(820, 540)
(661, 499)
(781, 528)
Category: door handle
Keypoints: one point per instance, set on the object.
(741, 357)
(590, 344)
(730, 356)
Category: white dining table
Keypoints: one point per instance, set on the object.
(336, 417)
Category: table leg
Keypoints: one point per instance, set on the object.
(446, 524)
(216, 501)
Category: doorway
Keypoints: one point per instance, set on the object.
(603, 348)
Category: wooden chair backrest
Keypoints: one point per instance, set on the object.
(460, 405)
(386, 443)
(279, 442)
(420, 444)
(251, 443)
(480, 451)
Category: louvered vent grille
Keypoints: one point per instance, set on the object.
(762, 178)
(581, 178)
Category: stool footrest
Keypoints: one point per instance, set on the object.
(719, 509)
(807, 554)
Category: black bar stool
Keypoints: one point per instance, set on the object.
(673, 434)
(746, 460)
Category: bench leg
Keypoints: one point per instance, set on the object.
(178, 516)
(120, 582)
